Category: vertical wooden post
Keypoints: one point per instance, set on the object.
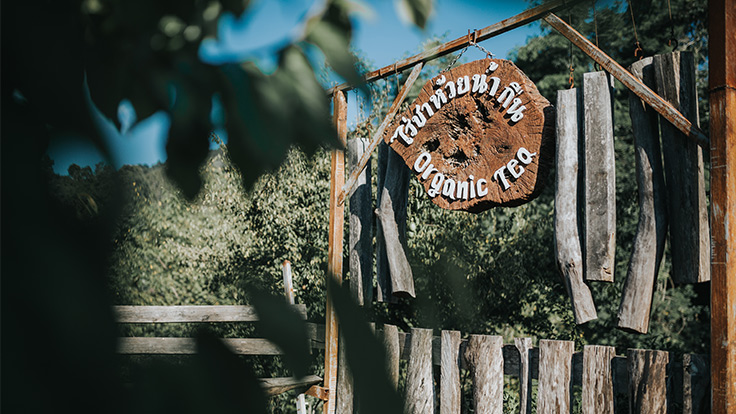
(301, 405)
(722, 86)
(599, 173)
(393, 353)
(334, 251)
(485, 359)
(419, 380)
(597, 379)
(361, 225)
(636, 300)
(567, 236)
(647, 381)
(554, 394)
(450, 373)
(524, 345)
(695, 384)
(684, 169)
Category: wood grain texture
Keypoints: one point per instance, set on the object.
(276, 386)
(188, 346)
(597, 397)
(345, 394)
(647, 381)
(467, 124)
(554, 394)
(599, 176)
(636, 300)
(450, 373)
(420, 395)
(383, 274)
(524, 345)
(567, 220)
(485, 361)
(360, 243)
(190, 314)
(393, 356)
(685, 172)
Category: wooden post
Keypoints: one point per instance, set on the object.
(393, 353)
(636, 300)
(450, 373)
(722, 87)
(485, 360)
(524, 345)
(696, 384)
(419, 382)
(361, 226)
(334, 252)
(599, 176)
(301, 405)
(685, 172)
(647, 381)
(567, 239)
(598, 379)
(554, 394)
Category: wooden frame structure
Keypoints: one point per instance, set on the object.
(722, 18)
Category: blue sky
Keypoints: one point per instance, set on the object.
(379, 35)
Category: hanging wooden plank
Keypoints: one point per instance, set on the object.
(636, 300)
(567, 239)
(647, 381)
(419, 382)
(597, 397)
(685, 172)
(383, 276)
(393, 356)
(554, 394)
(335, 248)
(301, 405)
(360, 244)
(450, 373)
(599, 175)
(345, 394)
(485, 361)
(391, 212)
(696, 388)
(660, 105)
(524, 345)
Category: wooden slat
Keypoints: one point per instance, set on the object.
(597, 397)
(485, 359)
(383, 278)
(276, 386)
(599, 174)
(521, 19)
(335, 247)
(696, 384)
(524, 345)
(636, 300)
(450, 373)
(391, 343)
(345, 396)
(644, 92)
(190, 314)
(187, 346)
(567, 238)
(301, 406)
(647, 381)
(554, 394)
(685, 172)
(420, 396)
(360, 243)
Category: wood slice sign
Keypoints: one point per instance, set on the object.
(477, 136)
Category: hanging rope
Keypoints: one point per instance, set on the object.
(572, 69)
(638, 51)
(672, 29)
(596, 66)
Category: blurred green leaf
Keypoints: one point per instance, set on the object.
(418, 11)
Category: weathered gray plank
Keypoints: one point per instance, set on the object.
(450, 373)
(360, 242)
(301, 407)
(345, 396)
(597, 397)
(275, 386)
(420, 396)
(685, 172)
(188, 346)
(696, 384)
(554, 394)
(391, 212)
(176, 314)
(636, 300)
(485, 360)
(599, 240)
(393, 356)
(383, 274)
(647, 381)
(524, 345)
(567, 238)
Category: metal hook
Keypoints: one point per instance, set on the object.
(673, 39)
(572, 79)
(638, 52)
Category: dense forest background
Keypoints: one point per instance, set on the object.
(159, 242)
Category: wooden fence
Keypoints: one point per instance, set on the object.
(643, 381)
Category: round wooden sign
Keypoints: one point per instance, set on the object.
(477, 136)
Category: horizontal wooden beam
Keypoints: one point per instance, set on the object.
(190, 314)
(641, 90)
(521, 19)
(278, 385)
(188, 346)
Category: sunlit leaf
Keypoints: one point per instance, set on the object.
(416, 11)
